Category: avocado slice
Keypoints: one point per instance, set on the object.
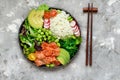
(35, 18)
(64, 56)
(61, 59)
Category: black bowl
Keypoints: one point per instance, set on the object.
(21, 27)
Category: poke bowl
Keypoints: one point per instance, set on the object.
(49, 37)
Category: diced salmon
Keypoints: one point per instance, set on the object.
(57, 63)
(47, 52)
(39, 55)
(39, 62)
(49, 60)
(53, 45)
(56, 52)
(44, 45)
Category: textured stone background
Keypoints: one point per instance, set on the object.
(106, 42)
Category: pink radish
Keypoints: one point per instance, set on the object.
(47, 23)
(46, 20)
(75, 28)
(73, 23)
(77, 33)
(45, 26)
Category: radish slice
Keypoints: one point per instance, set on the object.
(47, 23)
(46, 20)
(45, 26)
(76, 28)
(77, 34)
(73, 23)
(73, 28)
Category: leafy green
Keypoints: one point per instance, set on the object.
(43, 7)
(27, 41)
(26, 24)
(70, 44)
(70, 18)
(59, 11)
(27, 44)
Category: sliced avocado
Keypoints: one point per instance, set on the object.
(41, 13)
(64, 56)
(35, 18)
(65, 60)
(62, 61)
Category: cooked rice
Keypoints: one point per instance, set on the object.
(60, 26)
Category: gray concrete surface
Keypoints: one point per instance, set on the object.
(106, 42)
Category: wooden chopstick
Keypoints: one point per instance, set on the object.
(91, 35)
(87, 37)
(89, 27)
(90, 9)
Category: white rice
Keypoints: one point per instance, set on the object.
(60, 26)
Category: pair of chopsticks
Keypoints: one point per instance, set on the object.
(90, 9)
(89, 34)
